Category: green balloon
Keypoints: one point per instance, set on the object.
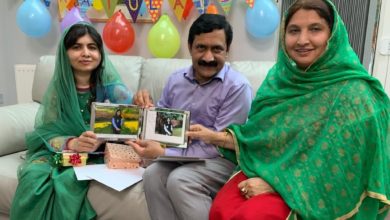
(163, 38)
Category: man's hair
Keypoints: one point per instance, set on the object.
(207, 23)
(320, 6)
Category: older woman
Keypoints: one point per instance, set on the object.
(317, 141)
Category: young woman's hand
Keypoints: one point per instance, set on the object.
(86, 142)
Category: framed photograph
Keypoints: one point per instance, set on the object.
(167, 126)
(101, 16)
(116, 122)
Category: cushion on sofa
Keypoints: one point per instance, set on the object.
(16, 120)
(155, 72)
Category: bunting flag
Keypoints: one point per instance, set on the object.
(143, 12)
(178, 7)
(62, 5)
(250, 3)
(226, 5)
(84, 6)
(47, 2)
(70, 4)
(201, 5)
(109, 6)
(187, 9)
(154, 8)
(134, 7)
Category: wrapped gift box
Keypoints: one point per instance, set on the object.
(74, 159)
(120, 156)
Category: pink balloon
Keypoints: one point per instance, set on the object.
(72, 17)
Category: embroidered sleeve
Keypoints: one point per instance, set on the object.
(59, 143)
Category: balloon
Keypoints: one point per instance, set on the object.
(33, 18)
(118, 34)
(212, 9)
(263, 19)
(72, 17)
(97, 5)
(163, 38)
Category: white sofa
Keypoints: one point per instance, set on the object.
(138, 73)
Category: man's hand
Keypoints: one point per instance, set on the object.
(253, 187)
(143, 99)
(146, 148)
(87, 142)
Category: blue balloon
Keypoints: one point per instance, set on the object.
(33, 18)
(263, 19)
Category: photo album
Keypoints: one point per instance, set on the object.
(116, 122)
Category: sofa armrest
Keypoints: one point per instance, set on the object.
(16, 120)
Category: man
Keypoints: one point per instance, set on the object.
(217, 96)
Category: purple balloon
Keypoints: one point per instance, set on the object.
(72, 17)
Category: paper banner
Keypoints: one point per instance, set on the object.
(109, 7)
(250, 2)
(201, 5)
(154, 7)
(134, 7)
(178, 7)
(187, 9)
(226, 5)
(84, 6)
(70, 4)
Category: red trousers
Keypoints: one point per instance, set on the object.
(229, 204)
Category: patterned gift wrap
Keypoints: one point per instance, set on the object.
(120, 156)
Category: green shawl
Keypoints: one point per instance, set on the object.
(320, 136)
(46, 191)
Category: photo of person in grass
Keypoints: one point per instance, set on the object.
(123, 120)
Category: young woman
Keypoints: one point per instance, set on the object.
(82, 75)
(117, 122)
(316, 144)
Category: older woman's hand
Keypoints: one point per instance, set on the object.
(200, 132)
(86, 142)
(253, 187)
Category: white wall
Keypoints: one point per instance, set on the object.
(382, 62)
(17, 48)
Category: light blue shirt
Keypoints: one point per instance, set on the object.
(223, 100)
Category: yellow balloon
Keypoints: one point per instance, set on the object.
(163, 38)
(97, 5)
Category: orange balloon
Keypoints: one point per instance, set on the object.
(211, 9)
(118, 34)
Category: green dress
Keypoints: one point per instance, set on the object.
(46, 190)
(321, 136)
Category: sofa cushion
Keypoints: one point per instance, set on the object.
(16, 120)
(254, 71)
(155, 72)
(129, 68)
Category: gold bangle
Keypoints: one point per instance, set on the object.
(225, 138)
